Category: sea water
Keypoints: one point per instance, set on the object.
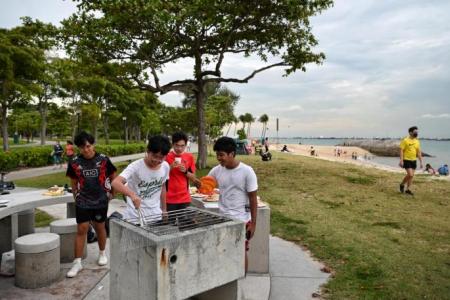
(440, 150)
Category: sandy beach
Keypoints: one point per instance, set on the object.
(328, 153)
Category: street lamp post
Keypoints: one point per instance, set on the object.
(125, 137)
(78, 111)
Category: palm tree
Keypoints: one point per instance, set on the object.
(249, 119)
(243, 120)
(264, 119)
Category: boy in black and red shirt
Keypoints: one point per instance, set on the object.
(91, 174)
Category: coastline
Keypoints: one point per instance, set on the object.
(327, 153)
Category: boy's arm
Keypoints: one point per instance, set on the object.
(252, 197)
(74, 184)
(111, 178)
(163, 198)
(119, 186)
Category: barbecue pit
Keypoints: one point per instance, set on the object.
(177, 256)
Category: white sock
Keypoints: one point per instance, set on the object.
(102, 252)
(77, 260)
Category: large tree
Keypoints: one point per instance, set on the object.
(21, 65)
(155, 34)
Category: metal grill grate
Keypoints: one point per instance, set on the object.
(177, 221)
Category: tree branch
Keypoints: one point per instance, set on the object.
(246, 79)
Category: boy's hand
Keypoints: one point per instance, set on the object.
(197, 183)
(251, 227)
(136, 201)
(182, 168)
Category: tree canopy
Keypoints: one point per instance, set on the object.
(153, 34)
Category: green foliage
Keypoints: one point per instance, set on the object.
(40, 156)
(152, 35)
(241, 134)
(22, 63)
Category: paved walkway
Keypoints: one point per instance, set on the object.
(32, 172)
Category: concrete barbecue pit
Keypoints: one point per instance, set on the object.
(189, 252)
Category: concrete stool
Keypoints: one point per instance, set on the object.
(67, 231)
(37, 260)
(26, 222)
(25, 226)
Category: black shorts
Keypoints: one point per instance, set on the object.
(409, 164)
(177, 206)
(91, 214)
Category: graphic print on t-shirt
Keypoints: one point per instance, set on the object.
(148, 188)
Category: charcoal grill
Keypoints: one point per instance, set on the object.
(176, 221)
(175, 256)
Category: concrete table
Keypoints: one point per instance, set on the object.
(20, 202)
(258, 255)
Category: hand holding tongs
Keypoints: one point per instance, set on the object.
(141, 217)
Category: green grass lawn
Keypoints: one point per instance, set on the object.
(42, 219)
(379, 243)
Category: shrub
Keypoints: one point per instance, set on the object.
(39, 156)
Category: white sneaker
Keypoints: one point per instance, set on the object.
(102, 260)
(77, 267)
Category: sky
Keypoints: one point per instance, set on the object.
(387, 68)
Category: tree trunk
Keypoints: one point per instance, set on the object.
(202, 147)
(106, 128)
(138, 133)
(94, 129)
(43, 113)
(126, 134)
(229, 127)
(105, 122)
(5, 128)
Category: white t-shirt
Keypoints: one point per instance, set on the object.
(234, 184)
(147, 184)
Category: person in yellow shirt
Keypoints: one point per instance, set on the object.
(409, 152)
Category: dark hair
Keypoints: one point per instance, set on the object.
(82, 138)
(411, 129)
(225, 144)
(178, 136)
(69, 142)
(159, 144)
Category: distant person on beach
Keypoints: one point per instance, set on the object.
(443, 170)
(312, 151)
(430, 170)
(409, 152)
(285, 149)
(266, 144)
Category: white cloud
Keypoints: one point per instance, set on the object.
(386, 62)
(436, 116)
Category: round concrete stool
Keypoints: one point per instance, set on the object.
(26, 222)
(37, 260)
(67, 231)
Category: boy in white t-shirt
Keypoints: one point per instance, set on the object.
(145, 181)
(238, 187)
